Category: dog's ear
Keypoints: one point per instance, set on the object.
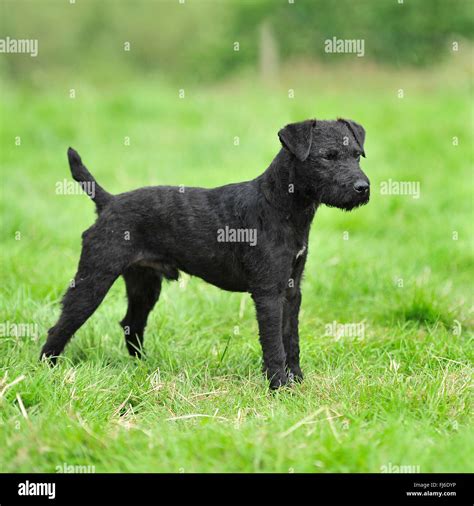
(297, 138)
(357, 131)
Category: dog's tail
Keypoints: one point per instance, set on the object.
(87, 181)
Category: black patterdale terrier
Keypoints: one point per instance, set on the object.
(243, 237)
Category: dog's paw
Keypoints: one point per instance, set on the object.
(277, 379)
(48, 355)
(295, 374)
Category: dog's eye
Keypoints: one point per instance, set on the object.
(330, 155)
(357, 155)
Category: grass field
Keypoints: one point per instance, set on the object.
(398, 395)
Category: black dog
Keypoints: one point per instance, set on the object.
(244, 237)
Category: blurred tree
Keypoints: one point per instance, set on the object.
(268, 52)
(195, 40)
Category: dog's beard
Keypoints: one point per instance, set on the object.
(344, 202)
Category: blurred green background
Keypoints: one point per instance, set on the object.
(193, 41)
(182, 106)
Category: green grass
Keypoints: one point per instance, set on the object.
(399, 395)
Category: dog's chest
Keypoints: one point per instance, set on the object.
(300, 252)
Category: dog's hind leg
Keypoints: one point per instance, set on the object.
(143, 286)
(95, 275)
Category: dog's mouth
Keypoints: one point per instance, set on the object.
(361, 200)
(348, 204)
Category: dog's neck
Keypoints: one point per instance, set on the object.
(279, 184)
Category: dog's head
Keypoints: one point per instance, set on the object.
(327, 156)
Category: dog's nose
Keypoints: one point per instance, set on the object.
(361, 186)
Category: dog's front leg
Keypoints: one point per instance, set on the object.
(269, 315)
(291, 339)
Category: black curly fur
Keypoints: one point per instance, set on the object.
(155, 232)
